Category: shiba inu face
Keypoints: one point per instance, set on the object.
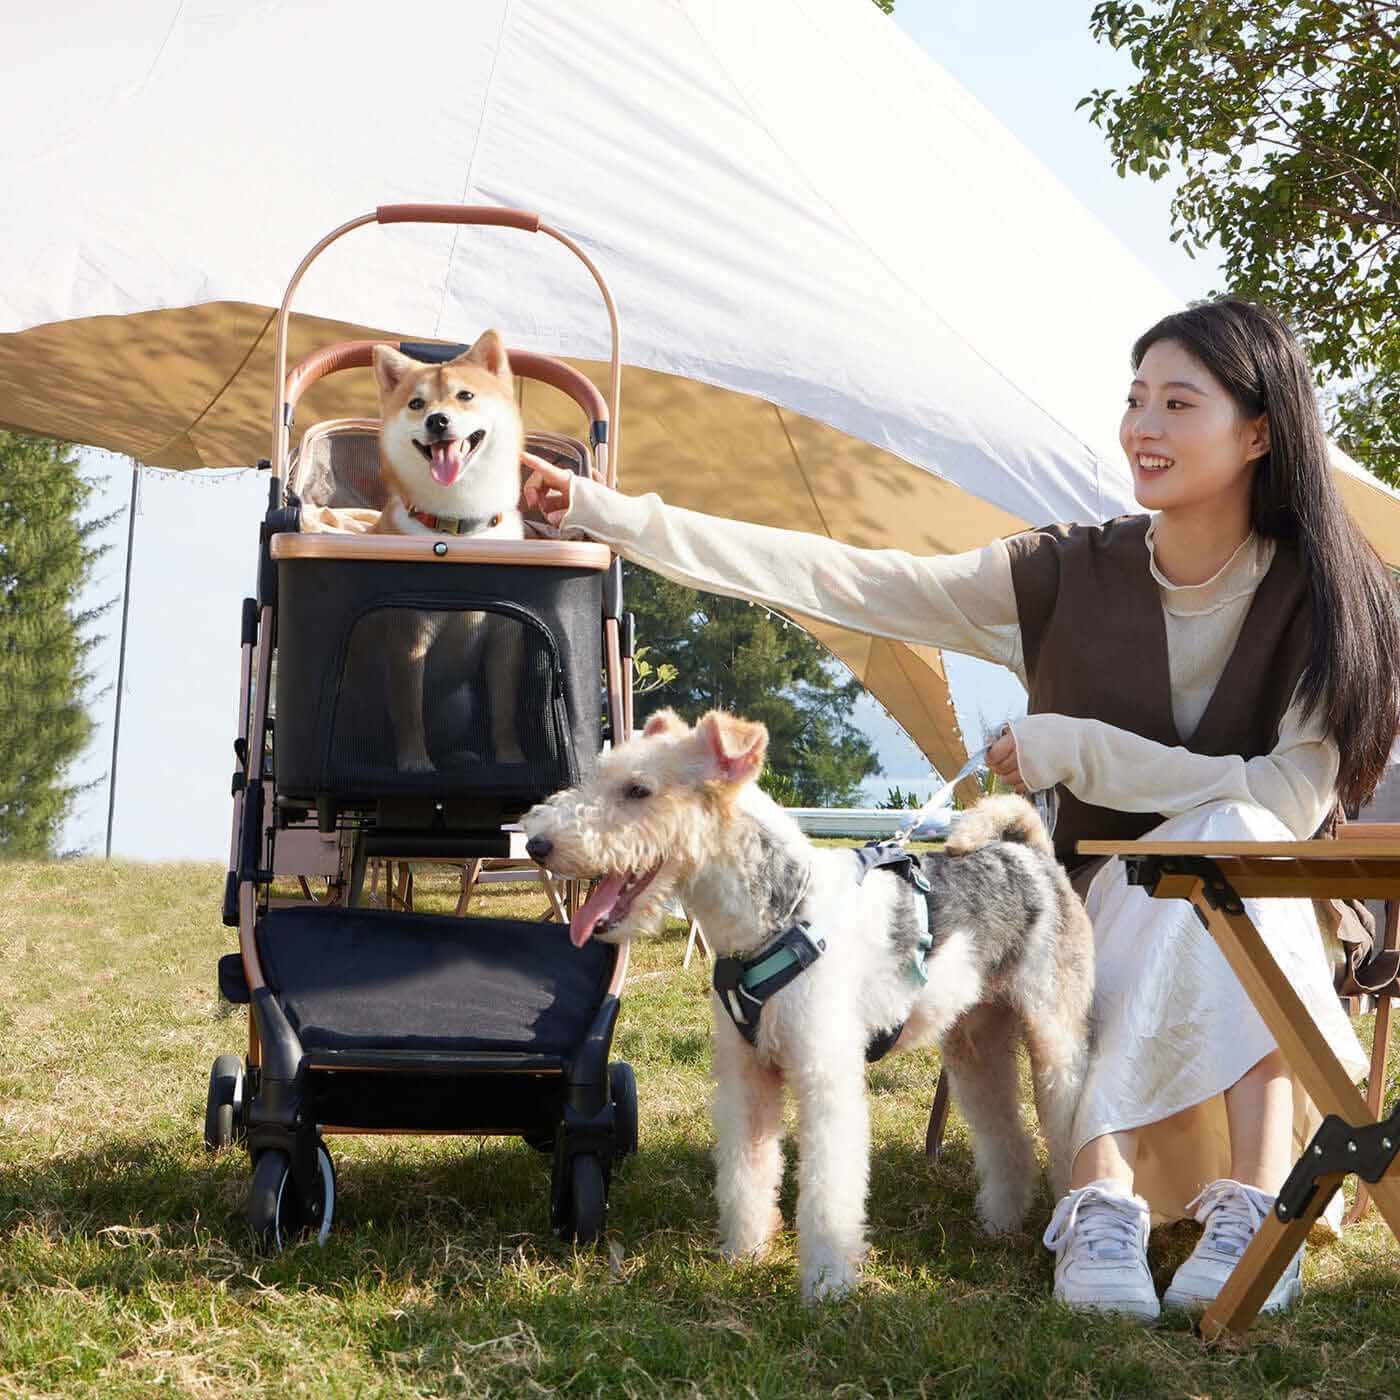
(451, 436)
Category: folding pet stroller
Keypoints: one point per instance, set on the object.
(375, 1020)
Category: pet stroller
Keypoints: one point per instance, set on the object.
(382, 1020)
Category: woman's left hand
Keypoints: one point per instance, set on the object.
(1003, 761)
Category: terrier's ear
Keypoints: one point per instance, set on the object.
(734, 748)
(664, 722)
(392, 367)
(490, 353)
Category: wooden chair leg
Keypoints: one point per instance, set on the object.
(938, 1118)
(695, 939)
(1375, 1095)
(556, 904)
(470, 870)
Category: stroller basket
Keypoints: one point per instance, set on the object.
(431, 678)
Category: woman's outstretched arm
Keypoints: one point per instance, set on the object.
(1110, 767)
(964, 602)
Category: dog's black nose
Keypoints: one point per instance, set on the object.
(436, 422)
(538, 847)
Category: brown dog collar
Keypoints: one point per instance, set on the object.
(454, 524)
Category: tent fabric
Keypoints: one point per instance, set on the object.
(850, 300)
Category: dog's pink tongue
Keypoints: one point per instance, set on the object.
(447, 460)
(595, 908)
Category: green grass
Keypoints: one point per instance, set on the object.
(126, 1269)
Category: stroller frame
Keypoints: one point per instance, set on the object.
(286, 1095)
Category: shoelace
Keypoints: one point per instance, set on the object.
(1231, 1214)
(1111, 1230)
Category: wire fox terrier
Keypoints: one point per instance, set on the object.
(976, 947)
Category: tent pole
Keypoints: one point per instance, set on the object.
(121, 652)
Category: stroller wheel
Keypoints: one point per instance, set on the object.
(275, 1214)
(588, 1199)
(622, 1088)
(223, 1110)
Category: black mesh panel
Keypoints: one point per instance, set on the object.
(466, 697)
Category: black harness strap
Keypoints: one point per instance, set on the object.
(745, 984)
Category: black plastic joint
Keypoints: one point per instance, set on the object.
(599, 431)
(250, 622)
(612, 591)
(629, 635)
(429, 353)
(230, 911)
(237, 783)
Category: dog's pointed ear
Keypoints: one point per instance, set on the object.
(392, 367)
(734, 748)
(489, 352)
(664, 722)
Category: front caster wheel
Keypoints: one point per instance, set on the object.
(587, 1200)
(275, 1212)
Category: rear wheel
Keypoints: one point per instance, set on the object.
(223, 1109)
(275, 1211)
(622, 1089)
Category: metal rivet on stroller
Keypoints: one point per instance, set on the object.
(374, 1020)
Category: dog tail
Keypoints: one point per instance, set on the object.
(1005, 817)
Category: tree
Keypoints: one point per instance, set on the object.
(733, 656)
(45, 558)
(1285, 115)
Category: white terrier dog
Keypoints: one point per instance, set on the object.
(677, 813)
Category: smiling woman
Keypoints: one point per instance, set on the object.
(1221, 669)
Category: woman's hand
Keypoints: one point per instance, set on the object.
(1002, 760)
(549, 489)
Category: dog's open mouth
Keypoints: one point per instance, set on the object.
(447, 460)
(608, 905)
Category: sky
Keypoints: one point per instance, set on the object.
(1027, 61)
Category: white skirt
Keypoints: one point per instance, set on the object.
(1174, 1026)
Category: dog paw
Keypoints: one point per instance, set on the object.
(750, 1240)
(1000, 1211)
(829, 1278)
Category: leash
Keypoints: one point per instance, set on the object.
(942, 798)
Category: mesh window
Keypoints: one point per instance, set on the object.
(456, 699)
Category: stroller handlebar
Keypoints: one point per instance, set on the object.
(457, 214)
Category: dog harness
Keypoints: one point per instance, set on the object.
(455, 524)
(745, 984)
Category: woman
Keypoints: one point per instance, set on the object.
(1246, 613)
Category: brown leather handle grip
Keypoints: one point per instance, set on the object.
(457, 214)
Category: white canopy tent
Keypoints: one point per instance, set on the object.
(850, 301)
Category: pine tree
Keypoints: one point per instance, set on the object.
(45, 558)
(735, 657)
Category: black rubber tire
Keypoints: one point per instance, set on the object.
(221, 1116)
(275, 1215)
(622, 1089)
(588, 1199)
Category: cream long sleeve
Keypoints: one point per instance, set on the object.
(966, 603)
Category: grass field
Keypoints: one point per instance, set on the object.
(126, 1269)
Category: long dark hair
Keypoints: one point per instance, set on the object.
(1353, 670)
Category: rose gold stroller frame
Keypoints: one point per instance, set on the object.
(253, 858)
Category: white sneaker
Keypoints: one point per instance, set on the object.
(1099, 1235)
(1232, 1213)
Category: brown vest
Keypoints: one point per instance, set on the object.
(1095, 646)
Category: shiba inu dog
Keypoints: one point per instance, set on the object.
(450, 440)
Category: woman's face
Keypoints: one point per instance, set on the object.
(1184, 437)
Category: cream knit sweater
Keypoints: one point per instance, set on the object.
(965, 603)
